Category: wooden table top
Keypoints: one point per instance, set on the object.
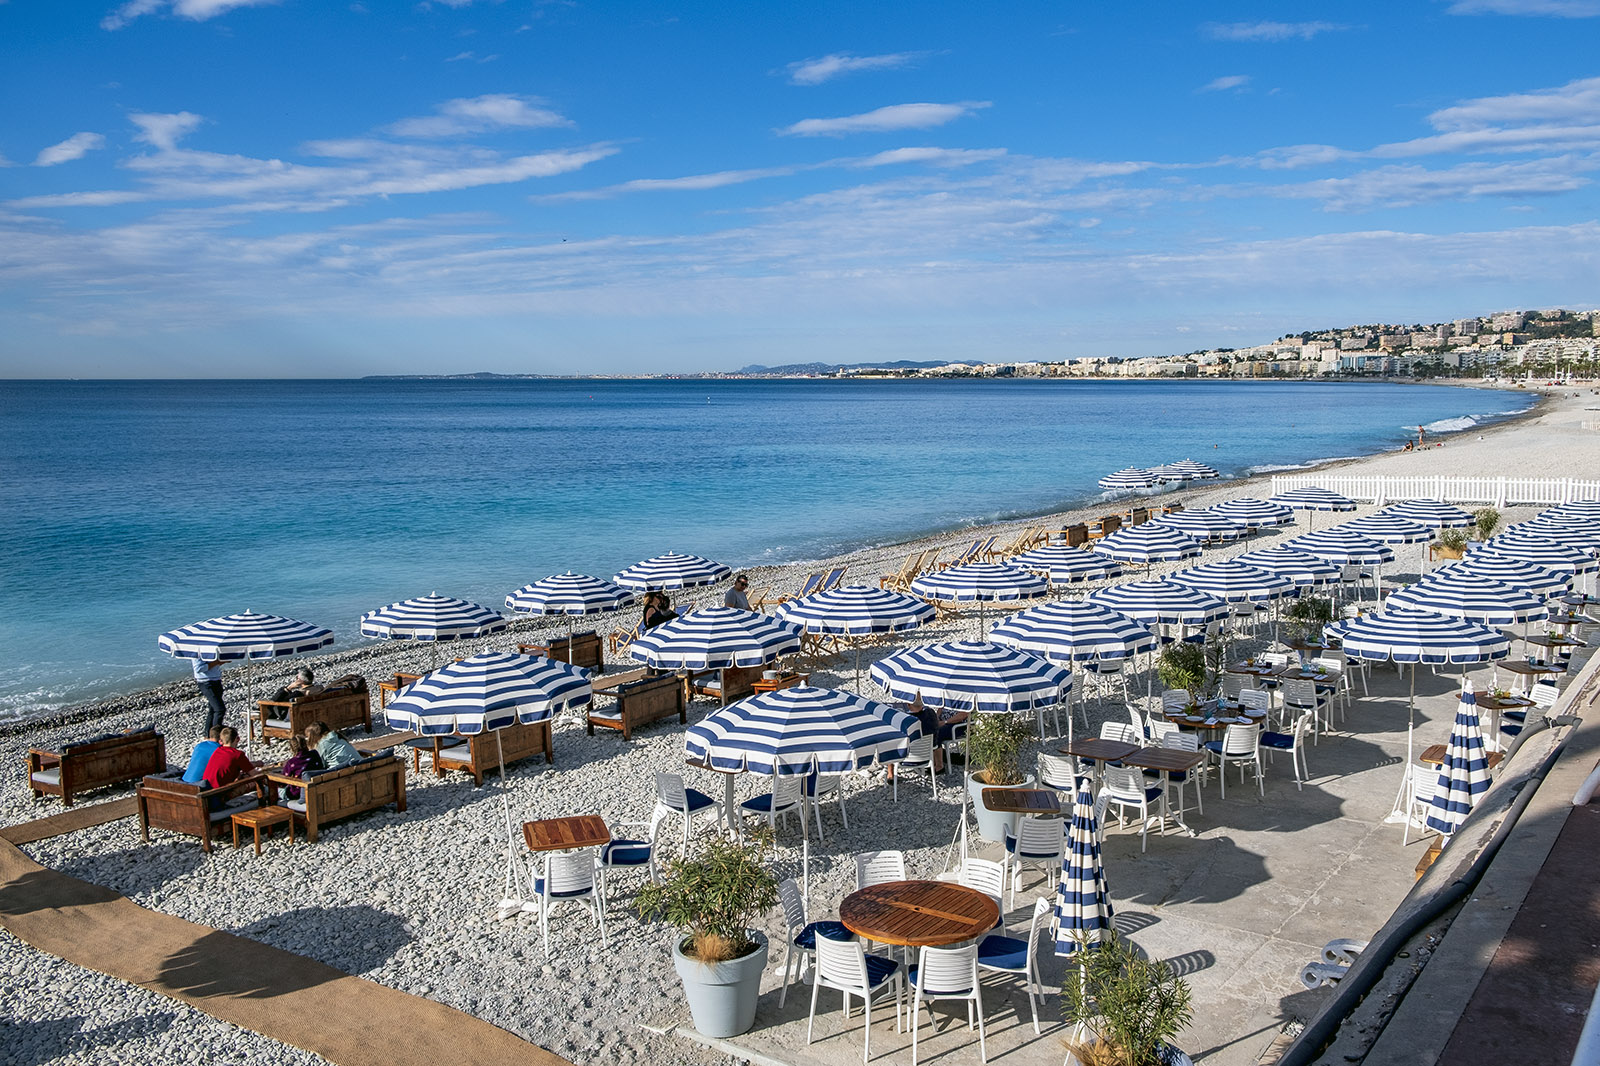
(1494, 703)
(558, 834)
(1097, 748)
(261, 817)
(1255, 669)
(1517, 666)
(1217, 720)
(1433, 755)
(772, 684)
(919, 913)
(612, 682)
(1022, 800)
(398, 681)
(1168, 760)
(700, 764)
(1553, 642)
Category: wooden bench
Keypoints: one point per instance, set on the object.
(328, 795)
(1104, 526)
(107, 760)
(727, 685)
(582, 650)
(483, 752)
(168, 802)
(640, 702)
(1138, 516)
(342, 706)
(1076, 536)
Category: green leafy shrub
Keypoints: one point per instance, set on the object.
(995, 743)
(1132, 1004)
(714, 896)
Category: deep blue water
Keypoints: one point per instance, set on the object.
(131, 508)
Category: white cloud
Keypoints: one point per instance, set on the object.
(1410, 186)
(1224, 83)
(884, 119)
(1268, 31)
(937, 157)
(1575, 100)
(74, 147)
(480, 114)
(1572, 9)
(164, 131)
(817, 71)
(198, 10)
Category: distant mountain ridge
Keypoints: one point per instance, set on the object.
(793, 369)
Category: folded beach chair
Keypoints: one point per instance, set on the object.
(901, 579)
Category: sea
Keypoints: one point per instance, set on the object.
(129, 508)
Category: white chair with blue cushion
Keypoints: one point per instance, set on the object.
(627, 852)
(568, 877)
(1124, 786)
(1292, 742)
(1240, 744)
(947, 973)
(802, 939)
(1182, 741)
(819, 787)
(999, 953)
(844, 966)
(879, 867)
(1058, 772)
(674, 800)
(786, 798)
(918, 760)
(1040, 841)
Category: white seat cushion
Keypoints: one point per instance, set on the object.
(296, 804)
(48, 777)
(277, 723)
(608, 715)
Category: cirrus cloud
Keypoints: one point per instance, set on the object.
(1268, 31)
(198, 10)
(75, 147)
(817, 71)
(481, 114)
(884, 119)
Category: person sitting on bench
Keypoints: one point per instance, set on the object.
(227, 764)
(196, 771)
(303, 685)
(334, 749)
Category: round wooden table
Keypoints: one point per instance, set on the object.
(919, 913)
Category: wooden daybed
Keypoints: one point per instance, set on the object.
(167, 802)
(482, 752)
(107, 760)
(582, 650)
(640, 702)
(328, 795)
(343, 704)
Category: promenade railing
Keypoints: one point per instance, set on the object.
(1492, 491)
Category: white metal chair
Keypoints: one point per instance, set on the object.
(1338, 679)
(918, 760)
(1161, 729)
(1141, 727)
(947, 973)
(844, 966)
(1060, 773)
(1175, 699)
(627, 853)
(1234, 684)
(999, 953)
(1292, 742)
(801, 943)
(1256, 699)
(1125, 787)
(674, 800)
(879, 867)
(1302, 697)
(1240, 744)
(568, 877)
(1038, 840)
(1178, 778)
(785, 798)
(1421, 783)
(1120, 731)
(1108, 678)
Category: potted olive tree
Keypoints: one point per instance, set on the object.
(713, 897)
(1452, 544)
(1307, 615)
(994, 744)
(1485, 520)
(1183, 665)
(1129, 1006)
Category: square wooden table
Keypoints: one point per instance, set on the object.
(394, 685)
(1433, 755)
(562, 834)
(773, 684)
(1099, 751)
(609, 685)
(1525, 669)
(1167, 761)
(259, 818)
(1548, 641)
(1022, 800)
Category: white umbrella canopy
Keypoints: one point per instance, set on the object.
(487, 692)
(1313, 498)
(247, 635)
(1129, 479)
(1062, 565)
(1204, 525)
(1254, 514)
(857, 611)
(1471, 596)
(1580, 533)
(1191, 470)
(575, 595)
(1306, 571)
(1535, 579)
(432, 618)
(1541, 551)
(1161, 603)
(1236, 582)
(1434, 514)
(1342, 546)
(673, 570)
(1388, 528)
(716, 638)
(981, 583)
(972, 675)
(1148, 543)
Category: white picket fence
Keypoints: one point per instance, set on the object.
(1493, 491)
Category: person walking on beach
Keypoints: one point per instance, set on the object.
(227, 764)
(208, 679)
(334, 750)
(738, 596)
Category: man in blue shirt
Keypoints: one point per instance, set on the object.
(196, 771)
(208, 679)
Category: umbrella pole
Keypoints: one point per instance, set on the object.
(1398, 815)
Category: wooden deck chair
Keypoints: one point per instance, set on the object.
(813, 584)
(833, 579)
(621, 638)
(930, 562)
(902, 577)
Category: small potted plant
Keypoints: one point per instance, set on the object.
(1452, 544)
(995, 743)
(1129, 1006)
(714, 897)
(1307, 615)
(1485, 520)
(1183, 665)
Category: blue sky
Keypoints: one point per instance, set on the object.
(296, 188)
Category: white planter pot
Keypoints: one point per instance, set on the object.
(722, 996)
(992, 825)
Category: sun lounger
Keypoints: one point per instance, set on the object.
(832, 579)
(726, 686)
(1104, 526)
(582, 649)
(328, 795)
(621, 638)
(814, 583)
(105, 760)
(484, 751)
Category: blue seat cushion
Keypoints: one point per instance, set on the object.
(1277, 740)
(763, 803)
(879, 969)
(1011, 849)
(1003, 952)
(1213, 746)
(1515, 716)
(626, 853)
(538, 890)
(698, 801)
(806, 939)
(1511, 730)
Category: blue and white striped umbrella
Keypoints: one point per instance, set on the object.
(980, 582)
(1413, 636)
(716, 638)
(972, 675)
(1387, 528)
(1083, 903)
(1535, 579)
(1165, 473)
(1313, 498)
(1190, 470)
(1339, 545)
(1470, 596)
(1148, 543)
(1540, 551)
(244, 636)
(1306, 571)
(1161, 603)
(672, 571)
(1074, 631)
(857, 610)
(571, 594)
(1581, 533)
(1254, 514)
(1127, 480)
(489, 691)
(1203, 525)
(1582, 508)
(800, 731)
(1464, 774)
(1434, 514)
(1062, 565)
(432, 618)
(1236, 582)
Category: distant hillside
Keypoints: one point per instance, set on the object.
(796, 369)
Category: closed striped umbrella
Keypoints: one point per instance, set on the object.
(1464, 774)
(857, 610)
(577, 595)
(1127, 480)
(1066, 566)
(1536, 579)
(972, 675)
(1148, 543)
(1313, 498)
(1254, 514)
(1083, 903)
(1342, 546)
(489, 691)
(1235, 582)
(1190, 470)
(1540, 551)
(1203, 525)
(982, 583)
(716, 638)
(1471, 596)
(1435, 514)
(1387, 528)
(1161, 603)
(432, 618)
(244, 636)
(1306, 571)
(672, 571)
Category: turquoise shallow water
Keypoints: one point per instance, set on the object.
(130, 508)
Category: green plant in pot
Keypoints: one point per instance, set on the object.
(1485, 521)
(994, 745)
(1307, 615)
(713, 897)
(1452, 543)
(1131, 1005)
(1183, 665)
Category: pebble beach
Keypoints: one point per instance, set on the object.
(407, 900)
